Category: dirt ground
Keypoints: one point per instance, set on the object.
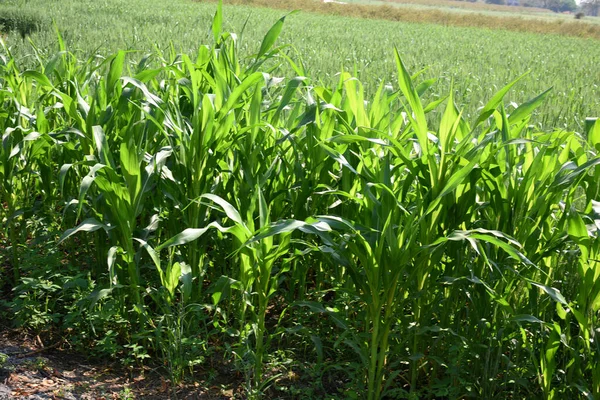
(34, 370)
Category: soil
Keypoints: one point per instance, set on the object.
(37, 371)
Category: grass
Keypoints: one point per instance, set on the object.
(386, 238)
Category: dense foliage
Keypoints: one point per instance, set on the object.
(176, 209)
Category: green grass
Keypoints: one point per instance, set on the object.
(478, 61)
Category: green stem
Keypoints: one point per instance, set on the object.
(415, 344)
(385, 334)
(12, 234)
(263, 300)
(134, 281)
(258, 367)
(15, 255)
(375, 317)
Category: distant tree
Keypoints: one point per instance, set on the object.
(562, 5)
(591, 7)
(502, 2)
(568, 5)
(531, 3)
(559, 5)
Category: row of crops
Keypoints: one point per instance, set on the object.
(181, 206)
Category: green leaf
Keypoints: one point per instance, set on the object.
(552, 292)
(86, 183)
(62, 175)
(172, 277)
(154, 256)
(423, 86)
(495, 101)
(525, 109)
(593, 132)
(186, 281)
(184, 237)
(290, 225)
(449, 123)
(411, 95)
(217, 25)
(562, 313)
(235, 95)
(456, 179)
(100, 294)
(337, 156)
(527, 318)
(220, 289)
(229, 210)
(104, 153)
(277, 228)
(272, 35)
(578, 233)
(570, 173)
(111, 258)
(88, 225)
(115, 72)
(346, 139)
(39, 78)
(290, 89)
(151, 98)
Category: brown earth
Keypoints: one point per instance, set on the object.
(34, 370)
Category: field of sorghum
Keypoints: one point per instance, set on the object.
(391, 240)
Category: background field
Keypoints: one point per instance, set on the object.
(479, 61)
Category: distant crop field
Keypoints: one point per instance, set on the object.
(454, 13)
(480, 8)
(466, 5)
(528, 13)
(478, 61)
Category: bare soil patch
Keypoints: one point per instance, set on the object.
(30, 369)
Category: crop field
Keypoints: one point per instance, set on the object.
(478, 62)
(466, 6)
(302, 205)
(478, 9)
